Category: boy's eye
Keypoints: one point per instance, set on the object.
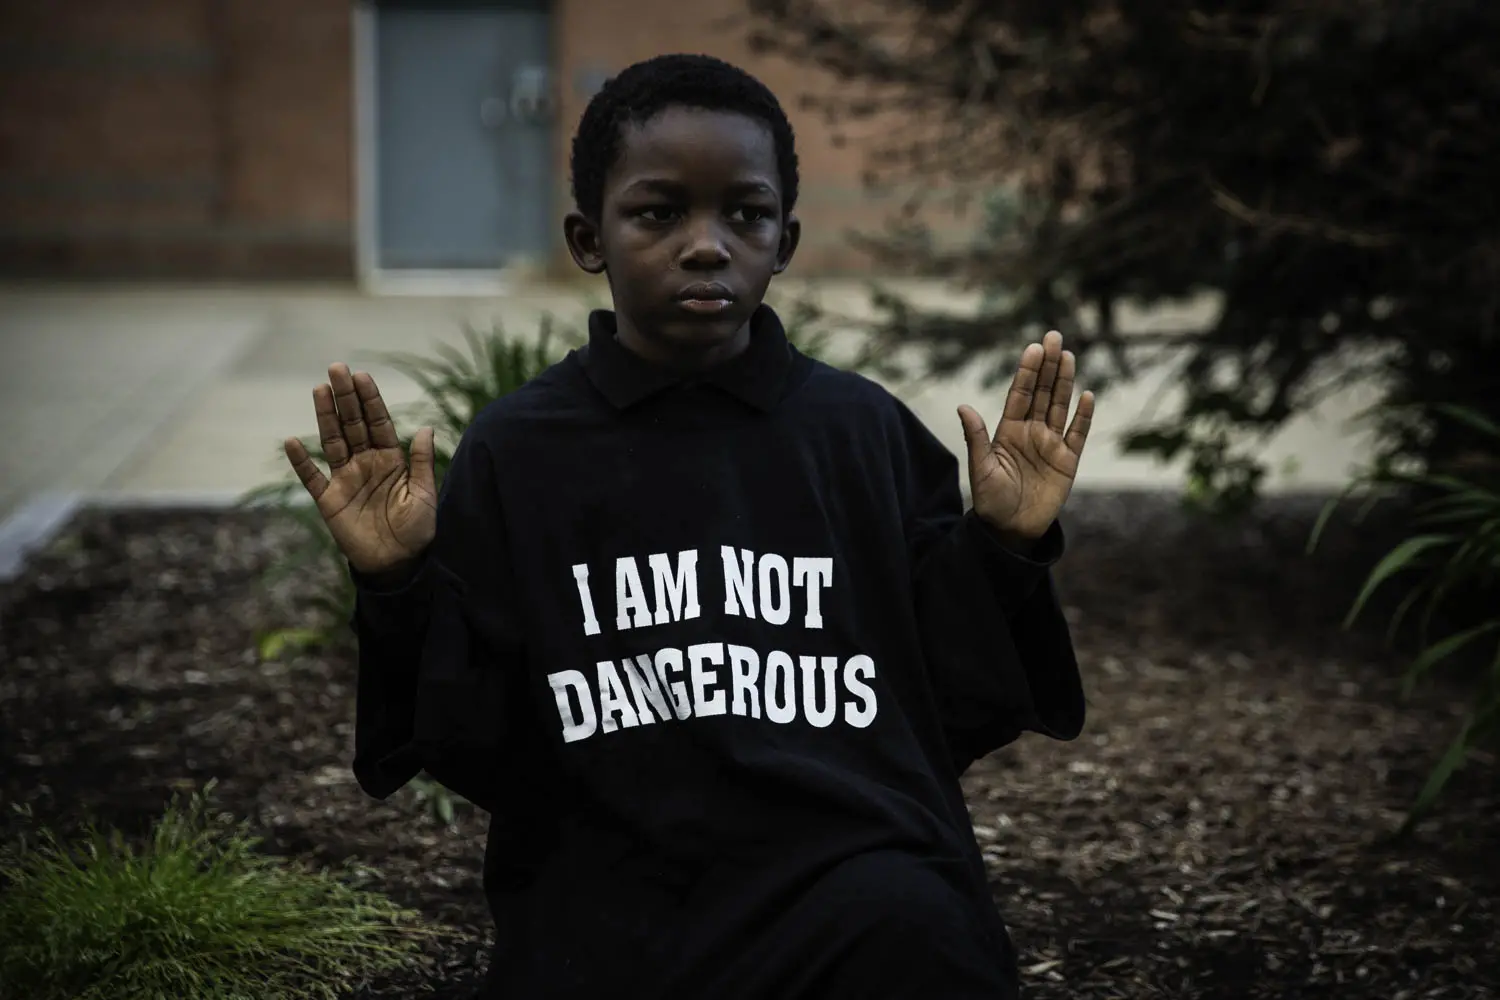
(658, 213)
(749, 213)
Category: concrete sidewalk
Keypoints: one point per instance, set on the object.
(182, 395)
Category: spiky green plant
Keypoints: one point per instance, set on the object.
(1452, 551)
(455, 387)
(194, 911)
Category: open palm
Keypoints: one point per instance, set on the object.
(380, 508)
(1020, 477)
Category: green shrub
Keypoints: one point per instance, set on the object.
(193, 913)
(1451, 555)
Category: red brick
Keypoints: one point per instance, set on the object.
(290, 107)
(215, 137)
(83, 24)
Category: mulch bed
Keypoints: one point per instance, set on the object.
(1221, 829)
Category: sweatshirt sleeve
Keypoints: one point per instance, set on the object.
(440, 654)
(998, 647)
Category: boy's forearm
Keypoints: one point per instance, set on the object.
(999, 645)
(1016, 566)
(385, 691)
(394, 603)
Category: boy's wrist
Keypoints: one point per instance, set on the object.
(395, 575)
(1043, 549)
(390, 578)
(1020, 543)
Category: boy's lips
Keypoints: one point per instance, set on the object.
(706, 306)
(706, 298)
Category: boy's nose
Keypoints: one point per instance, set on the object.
(705, 248)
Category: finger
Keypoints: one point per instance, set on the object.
(1062, 392)
(1078, 431)
(350, 414)
(1023, 387)
(306, 469)
(330, 431)
(424, 461)
(976, 436)
(1051, 360)
(377, 417)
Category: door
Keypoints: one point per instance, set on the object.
(463, 134)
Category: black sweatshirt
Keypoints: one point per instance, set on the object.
(714, 652)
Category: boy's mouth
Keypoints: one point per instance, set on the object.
(706, 298)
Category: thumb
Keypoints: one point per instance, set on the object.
(424, 460)
(976, 435)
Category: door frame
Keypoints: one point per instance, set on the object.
(371, 277)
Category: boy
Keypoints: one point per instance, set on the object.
(701, 622)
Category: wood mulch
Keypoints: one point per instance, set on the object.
(1221, 829)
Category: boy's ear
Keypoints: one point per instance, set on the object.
(582, 236)
(791, 235)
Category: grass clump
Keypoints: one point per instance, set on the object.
(192, 913)
(1450, 558)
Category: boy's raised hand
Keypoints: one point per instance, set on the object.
(381, 511)
(1020, 478)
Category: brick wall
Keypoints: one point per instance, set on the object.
(175, 138)
(213, 138)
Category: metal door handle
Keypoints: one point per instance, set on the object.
(492, 112)
(531, 94)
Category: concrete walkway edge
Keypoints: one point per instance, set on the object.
(37, 522)
(32, 527)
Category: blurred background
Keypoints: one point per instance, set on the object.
(1269, 228)
(204, 202)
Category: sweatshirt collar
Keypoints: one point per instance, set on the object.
(758, 376)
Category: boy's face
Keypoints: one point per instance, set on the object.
(691, 233)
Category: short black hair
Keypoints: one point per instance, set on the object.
(639, 92)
